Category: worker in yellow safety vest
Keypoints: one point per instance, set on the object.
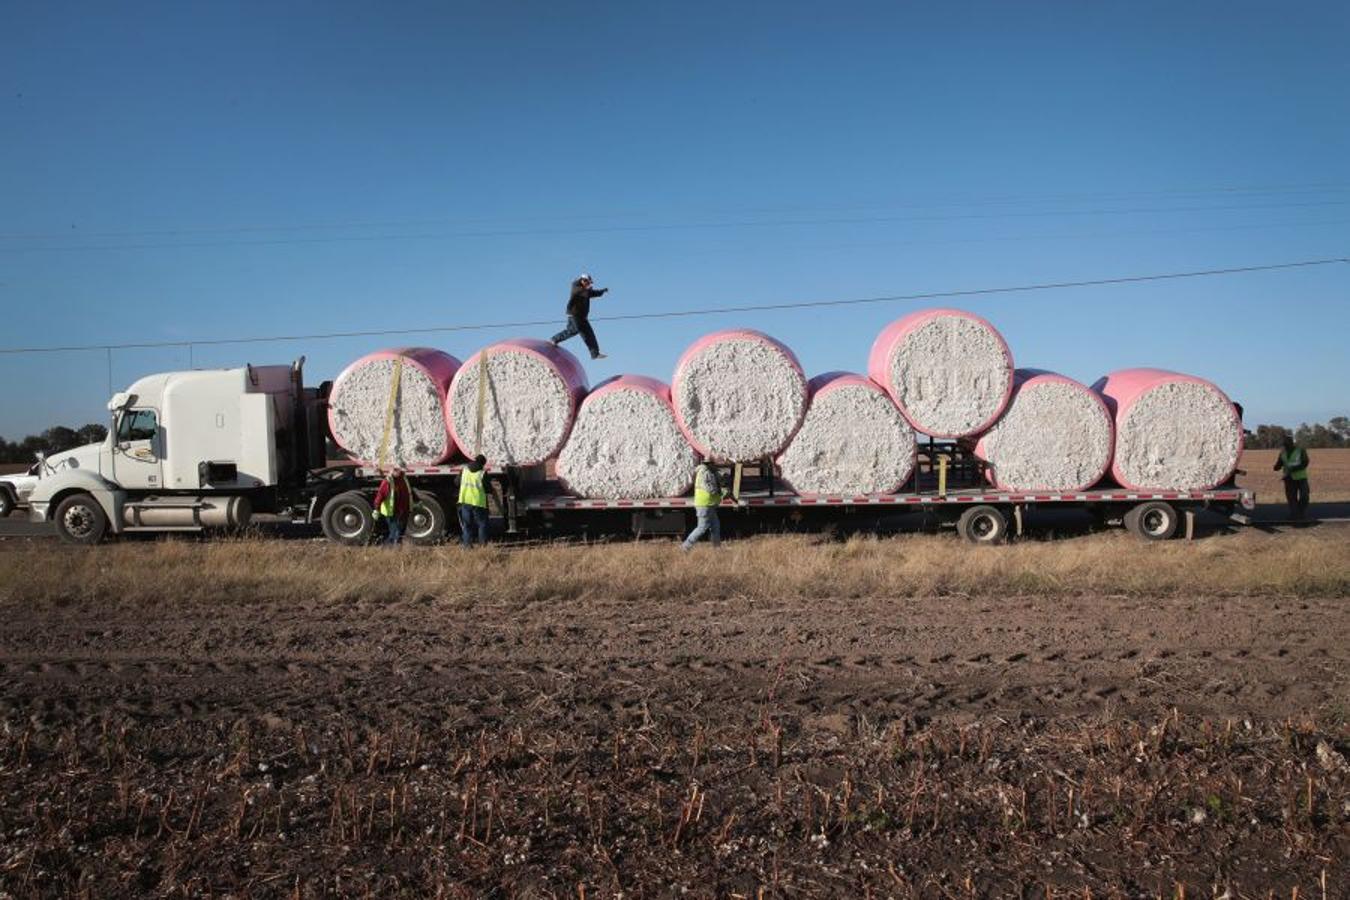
(1294, 461)
(473, 505)
(393, 503)
(707, 497)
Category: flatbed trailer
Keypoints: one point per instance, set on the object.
(530, 504)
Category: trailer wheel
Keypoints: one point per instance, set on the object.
(80, 520)
(1153, 521)
(426, 519)
(6, 502)
(983, 525)
(348, 519)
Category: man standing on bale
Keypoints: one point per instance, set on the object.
(473, 505)
(393, 503)
(1294, 461)
(707, 497)
(578, 315)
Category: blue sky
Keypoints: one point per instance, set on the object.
(185, 171)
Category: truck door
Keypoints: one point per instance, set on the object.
(139, 450)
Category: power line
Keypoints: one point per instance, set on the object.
(706, 311)
(663, 227)
(978, 200)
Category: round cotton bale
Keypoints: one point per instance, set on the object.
(739, 395)
(853, 440)
(1173, 432)
(359, 402)
(949, 371)
(533, 389)
(626, 443)
(1055, 435)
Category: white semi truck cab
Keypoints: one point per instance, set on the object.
(185, 451)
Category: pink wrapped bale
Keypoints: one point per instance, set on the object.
(532, 392)
(1055, 435)
(358, 407)
(739, 395)
(1173, 432)
(626, 444)
(949, 371)
(853, 440)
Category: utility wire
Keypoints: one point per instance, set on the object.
(659, 227)
(978, 200)
(706, 311)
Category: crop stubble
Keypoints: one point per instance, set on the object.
(276, 719)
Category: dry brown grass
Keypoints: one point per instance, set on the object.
(255, 570)
(1329, 475)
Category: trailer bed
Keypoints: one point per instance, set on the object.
(751, 499)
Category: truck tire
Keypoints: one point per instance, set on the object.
(80, 520)
(347, 518)
(983, 525)
(1153, 521)
(6, 502)
(426, 520)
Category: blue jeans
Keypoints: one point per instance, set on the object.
(395, 535)
(577, 325)
(707, 522)
(473, 520)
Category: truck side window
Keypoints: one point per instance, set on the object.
(137, 425)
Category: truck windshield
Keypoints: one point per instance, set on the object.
(137, 425)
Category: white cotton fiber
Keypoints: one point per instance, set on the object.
(852, 441)
(949, 371)
(359, 407)
(533, 389)
(739, 395)
(625, 444)
(1055, 435)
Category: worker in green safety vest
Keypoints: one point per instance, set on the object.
(473, 505)
(393, 503)
(707, 497)
(1294, 461)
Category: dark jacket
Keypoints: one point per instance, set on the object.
(579, 304)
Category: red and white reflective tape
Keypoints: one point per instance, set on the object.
(1246, 498)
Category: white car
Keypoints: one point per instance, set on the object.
(14, 489)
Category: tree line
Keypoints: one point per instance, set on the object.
(1335, 433)
(54, 440)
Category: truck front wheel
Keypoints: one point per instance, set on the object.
(80, 520)
(6, 502)
(348, 519)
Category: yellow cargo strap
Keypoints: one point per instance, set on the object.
(736, 484)
(483, 377)
(942, 475)
(389, 410)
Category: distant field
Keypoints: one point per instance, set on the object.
(11, 468)
(1329, 475)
